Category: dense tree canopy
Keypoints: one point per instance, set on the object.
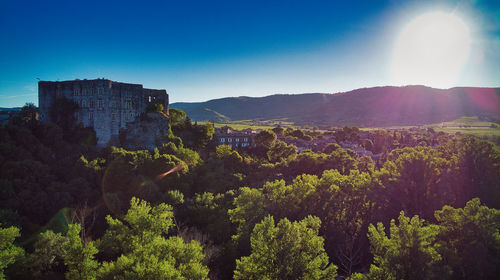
(286, 251)
(81, 213)
(8, 251)
(411, 250)
(144, 252)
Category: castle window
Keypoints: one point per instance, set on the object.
(77, 92)
(113, 116)
(99, 103)
(84, 103)
(91, 116)
(131, 116)
(229, 140)
(99, 91)
(222, 140)
(237, 139)
(150, 98)
(91, 103)
(245, 139)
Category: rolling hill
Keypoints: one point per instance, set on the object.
(366, 107)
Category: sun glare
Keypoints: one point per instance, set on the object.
(431, 50)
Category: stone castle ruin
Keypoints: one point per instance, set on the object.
(105, 105)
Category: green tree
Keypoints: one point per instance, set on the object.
(155, 107)
(79, 258)
(471, 240)
(46, 260)
(410, 252)
(231, 159)
(291, 201)
(28, 114)
(347, 133)
(343, 203)
(141, 250)
(281, 151)
(265, 139)
(279, 130)
(249, 210)
(176, 115)
(8, 251)
(286, 251)
(479, 165)
(416, 183)
(331, 147)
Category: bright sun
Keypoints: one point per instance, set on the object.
(431, 50)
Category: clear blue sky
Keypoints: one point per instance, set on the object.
(200, 50)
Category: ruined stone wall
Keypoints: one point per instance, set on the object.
(105, 105)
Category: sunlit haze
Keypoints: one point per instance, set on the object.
(431, 50)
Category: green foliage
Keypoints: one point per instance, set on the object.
(281, 151)
(85, 136)
(479, 165)
(382, 141)
(278, 130)
(249, 210)
(418, 171)
(141, 250)
(291, 200)
(176, 116)
(347, 133)
(411, 250)
(28, 115)
(416, 181)
(155, 107)
(47, 256)
(343, 201)
(331, 147)
(42, 173)
(471, 240)
(345, 204)
(286, 251)
(135, 173)
(8, 251)
(232, 160)
(190, 157)
(79, 258)
(308, 162)
(194, 136)
(265, 139)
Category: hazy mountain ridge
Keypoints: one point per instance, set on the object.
(378, 106)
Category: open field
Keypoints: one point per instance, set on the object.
(465, 125)
(473, 131)
(469, 125)
(257, 124)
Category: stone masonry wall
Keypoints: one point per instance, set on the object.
(105, 105)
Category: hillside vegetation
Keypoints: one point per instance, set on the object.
(367, 107)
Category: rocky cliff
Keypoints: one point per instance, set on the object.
(147, 131)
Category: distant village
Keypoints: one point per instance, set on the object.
(239, 139)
